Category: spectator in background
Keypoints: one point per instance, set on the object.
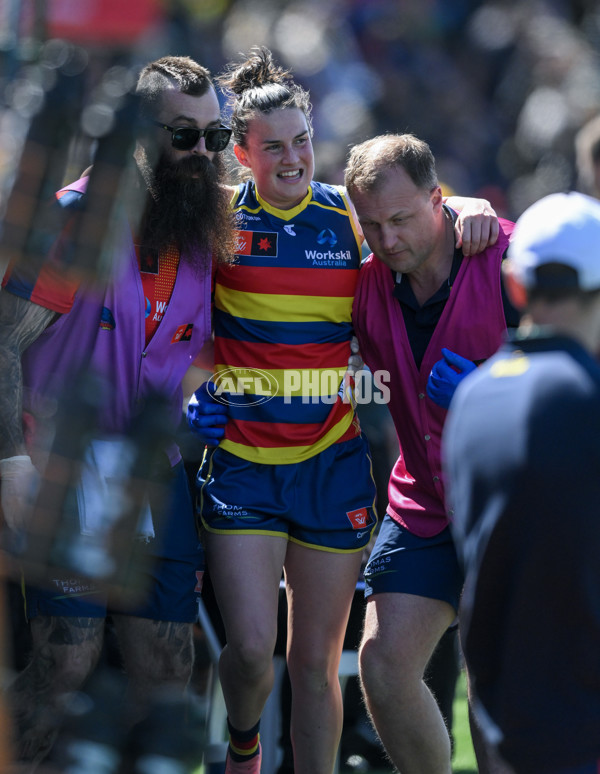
(521, 456)
(587, 157)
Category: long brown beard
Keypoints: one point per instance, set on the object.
(187, 206)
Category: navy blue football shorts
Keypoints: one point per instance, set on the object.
(407, 564)
(172, 572)
(326, 502)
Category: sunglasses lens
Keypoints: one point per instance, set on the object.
(185, 138)
(217, 139)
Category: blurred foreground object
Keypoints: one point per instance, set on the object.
(61, 112)
(94, 738)
(92, 514)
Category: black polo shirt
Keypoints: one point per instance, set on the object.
(420, 321)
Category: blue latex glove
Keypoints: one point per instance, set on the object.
(445, 376)
(207, 417)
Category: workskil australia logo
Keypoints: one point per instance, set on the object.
(253, 386)
(326, 256)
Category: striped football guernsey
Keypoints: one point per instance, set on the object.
(283, 322)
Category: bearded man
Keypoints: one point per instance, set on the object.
(138, 333)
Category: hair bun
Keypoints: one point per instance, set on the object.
(258, 70)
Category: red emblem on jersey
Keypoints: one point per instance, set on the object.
(183, 333)
(256, 243)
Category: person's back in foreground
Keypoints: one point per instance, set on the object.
(522, 457)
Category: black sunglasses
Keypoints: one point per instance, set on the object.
(186, 137)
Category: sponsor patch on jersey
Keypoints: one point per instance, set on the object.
(183, 333)
(107, 320)
(242, 217)
(327, 237)
(258, 244)
(358, 518)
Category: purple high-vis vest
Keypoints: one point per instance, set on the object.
(105, 332)
(473, 325)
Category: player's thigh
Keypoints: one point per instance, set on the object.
(155, 650)
(245, 572)
(320, 588)
(333, 508)
(68, 647)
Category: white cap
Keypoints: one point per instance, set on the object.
(563, 228)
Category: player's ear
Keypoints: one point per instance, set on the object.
(436, 197)
(240, 155)
(514, 287)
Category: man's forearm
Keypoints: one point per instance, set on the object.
(21, 322)
(11, 402)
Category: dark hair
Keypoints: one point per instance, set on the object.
(259, 85)
(370, 161)
(180, 71)
(556, 282)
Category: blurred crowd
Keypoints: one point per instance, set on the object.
(498, 88)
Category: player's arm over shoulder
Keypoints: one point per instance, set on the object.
(477, 224)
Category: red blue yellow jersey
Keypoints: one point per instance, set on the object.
(283, 324)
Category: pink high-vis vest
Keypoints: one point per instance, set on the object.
(472, 325)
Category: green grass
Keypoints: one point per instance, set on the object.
(464, 757)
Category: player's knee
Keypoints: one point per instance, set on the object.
(252, 656)
(170, 664)
(312, 670)
(175, 671)
(370, 665)
(72, 666)
(378, 665)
